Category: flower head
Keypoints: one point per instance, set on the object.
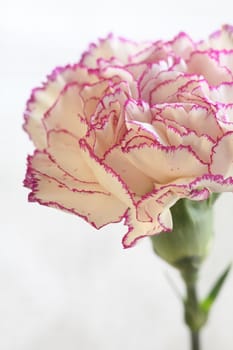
(132, 128)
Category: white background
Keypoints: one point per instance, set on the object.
(64, 285)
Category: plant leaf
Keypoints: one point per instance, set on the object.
(207, 303)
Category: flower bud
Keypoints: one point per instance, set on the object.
(192, 234)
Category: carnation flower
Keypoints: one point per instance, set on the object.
(132, 128)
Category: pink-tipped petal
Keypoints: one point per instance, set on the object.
(111, 48)
(65, 151)
(165, 164)
(222, 156)
(212, 183)
(106, 176)
(67, 112)
(89, 205)
(208, 66)
(138, 229)
(220, 40)
(43, 98)
(132, 176)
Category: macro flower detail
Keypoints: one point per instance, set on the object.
(132, 128)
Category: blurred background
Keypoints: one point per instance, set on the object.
(64, 285)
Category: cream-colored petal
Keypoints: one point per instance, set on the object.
(182, 45)
(202, 63)
(226, 60)
(165, 164)
(222, 93)
(97, 208)
(44, 98)
(65, 150)
(222, 39)
(201, 145)
(213, 183)
(106, 176)
(111, 47)
(193, 118)
(66, 113)
(42, 163)
(139, 229)
(135, 179)
(167, 90)
(222, 156)
(156, 204)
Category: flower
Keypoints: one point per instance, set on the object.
(132, 128)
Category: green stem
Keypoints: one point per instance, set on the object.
(192, 306)
(195, 318)
(195, 341)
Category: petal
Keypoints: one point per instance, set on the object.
(108, 48)
(207, 65)
(222, 39)
(201, 145)
(222, 93)
(44, 97)
(222, 156)
(106, 176)
(42, 163)
(194, 118)
(225, 116)
(159, 88)
(165, 164)
(214, 183)
(135, 179)
(153, 52)
(65, 151)
(154, 204)
(97, 208)
(67, 112)
(167, 90)
(182, 45)
(92, 94)
(226, 59)
(138, 229)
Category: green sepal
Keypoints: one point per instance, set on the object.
(192, 234)
(212, 199)
(208, 302)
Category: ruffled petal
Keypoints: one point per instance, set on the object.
(193, 118)
(222, 156)
(182, 45)
(132, 176)
(138, 229)
(44, 97)
(165, 164)
(222, 93)
(67, 112)
(207, 65)
(213, 183)
(167, 90)
(113, 49)
(51, 187)
(106, 176)
(222, 39)
(64, 149)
